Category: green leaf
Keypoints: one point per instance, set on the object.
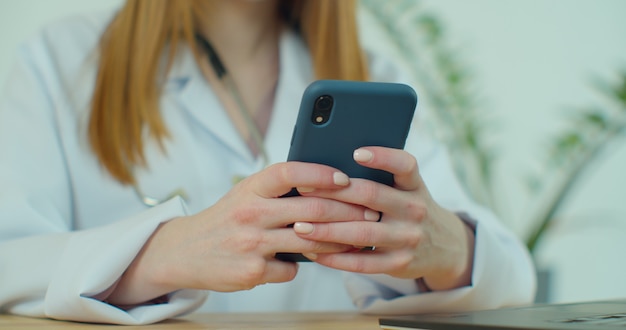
(566, 147)
(620, 91)
(595, 119)
(534, 183)
(615, 92)
(431, 27)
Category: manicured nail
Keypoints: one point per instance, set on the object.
(305, 189)
(371, 215)
(341, 179)
(310, 256)
(362, 155)
(303, 227)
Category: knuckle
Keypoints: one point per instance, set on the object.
(359, 265)
(412, 238)
(247, 241)
(316, 209)
(416, 210)
(249, 213)
(323, 232)
(369, 193)
(291, 273)
(285, 174)
(412, 166)
(402, 260)
(253, 272)
(316, 246)
(286, 274)
(364, 236)
(243, 215)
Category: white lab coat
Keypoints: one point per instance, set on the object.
(68, 230)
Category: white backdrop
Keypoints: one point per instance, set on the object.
(532, 59)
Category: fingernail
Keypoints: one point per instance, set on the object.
(362, 155)
(341, 179)
(303, 227)
(310, 256)
(305, 189)
(371, 215)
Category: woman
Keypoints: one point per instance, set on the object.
(89, 232)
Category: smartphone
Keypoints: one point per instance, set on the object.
(337, 117)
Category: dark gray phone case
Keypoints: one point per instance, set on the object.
(363, 114)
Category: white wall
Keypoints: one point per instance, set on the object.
(20, 19)
(532, 59)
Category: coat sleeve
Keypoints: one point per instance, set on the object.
(47, 267)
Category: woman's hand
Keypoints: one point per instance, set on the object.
(231, 245)
(416, 238)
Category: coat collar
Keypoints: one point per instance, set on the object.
(195, 96)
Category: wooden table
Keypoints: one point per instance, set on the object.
(248, 321)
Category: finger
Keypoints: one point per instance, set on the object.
(279, 179)
(355, 234)
(357, 262)
(285, 211)
(398, 162)
(376, 196)
(285, 240)
(278, 271)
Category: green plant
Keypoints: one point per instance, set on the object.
(446, 82)
(589, 130)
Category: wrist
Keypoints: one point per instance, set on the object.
(458, 274)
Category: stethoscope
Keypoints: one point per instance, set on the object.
(151, 201)
(222, 74)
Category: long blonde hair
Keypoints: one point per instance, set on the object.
(126, 98)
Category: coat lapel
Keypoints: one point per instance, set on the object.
(196, 97)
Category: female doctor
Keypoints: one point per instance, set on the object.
(124, 140)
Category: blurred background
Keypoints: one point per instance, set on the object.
(529, 95)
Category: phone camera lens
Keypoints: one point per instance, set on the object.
(322, 109)
(324, 103)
